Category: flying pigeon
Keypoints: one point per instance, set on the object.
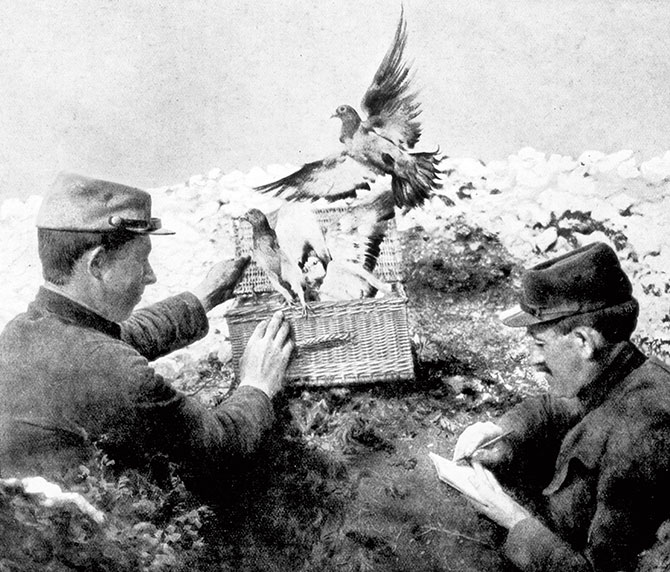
(284, 274)
(378, 146)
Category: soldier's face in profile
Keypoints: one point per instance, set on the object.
(125, 275)
(559, 357)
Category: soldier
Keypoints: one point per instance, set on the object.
(591, 458)
(75, 367)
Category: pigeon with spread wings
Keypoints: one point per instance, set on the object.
(301, 238)
(354, 242)
(375, 147)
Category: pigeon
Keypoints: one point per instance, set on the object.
(284, 274)
(378, 146)
(300, 235)
(354, 241)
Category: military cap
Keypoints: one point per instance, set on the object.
(587, 279)
(78, 203)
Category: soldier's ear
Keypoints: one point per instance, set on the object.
(95, 260)
(589, 342)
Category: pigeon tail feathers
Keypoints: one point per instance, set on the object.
(414, 184)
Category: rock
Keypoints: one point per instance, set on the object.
(603, 211)
(531, 168)
(622, 202)
(196, 180)
(257, 176)
(208, 208)
(530, 156)
(645, 239)
(532, 214)
(168, 367)
(659, 263)
(611, 162)
(546, 239)
(456, 382)
(575, 183)
(499, 177)
(657, 169)
(590, 158)
(214, 173)
(559, 202)
(472, 169)
(561, 163)
(562, 246)
(595, 236)
(628, 170)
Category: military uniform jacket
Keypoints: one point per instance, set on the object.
(70, 378)
(603, 461)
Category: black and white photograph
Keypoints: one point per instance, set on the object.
(335, 286)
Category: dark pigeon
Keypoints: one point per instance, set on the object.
(377, 146)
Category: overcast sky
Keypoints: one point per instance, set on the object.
(151, 92)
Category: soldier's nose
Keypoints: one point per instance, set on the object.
(149, 276)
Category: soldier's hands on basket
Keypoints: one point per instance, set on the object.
(267, 354)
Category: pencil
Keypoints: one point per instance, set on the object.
(483, 445)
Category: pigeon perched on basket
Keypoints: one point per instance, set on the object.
(284, 273)
(378, 146)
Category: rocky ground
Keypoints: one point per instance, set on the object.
(345, 483)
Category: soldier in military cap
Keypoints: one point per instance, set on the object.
(589, 463)
(75, 367)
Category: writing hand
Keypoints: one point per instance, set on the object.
(477, 435)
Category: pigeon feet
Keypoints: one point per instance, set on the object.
(306, 310)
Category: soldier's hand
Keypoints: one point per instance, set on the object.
(478, 434)
(220, 281)
(493, 501)
(265, 359)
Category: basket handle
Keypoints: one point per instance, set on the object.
(324, 342)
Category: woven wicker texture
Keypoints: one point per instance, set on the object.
(254, 280)
(340, 343)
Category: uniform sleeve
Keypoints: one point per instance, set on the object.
(541, 419)
(632, 502)
(166, 326)
(538, 426)
(138, 414)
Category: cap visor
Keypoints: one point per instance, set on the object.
(162, 231)
(152, 232)
(516, 318)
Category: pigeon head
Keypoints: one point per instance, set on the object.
(350, 121)
(256, 219)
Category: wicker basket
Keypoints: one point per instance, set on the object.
(339, 343)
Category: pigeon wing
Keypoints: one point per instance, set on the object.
(354, 241)
(389, 102)
(356, 237)
(299, 233)
(333, 178)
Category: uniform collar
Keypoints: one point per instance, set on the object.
(625, 358)
(74, 312)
